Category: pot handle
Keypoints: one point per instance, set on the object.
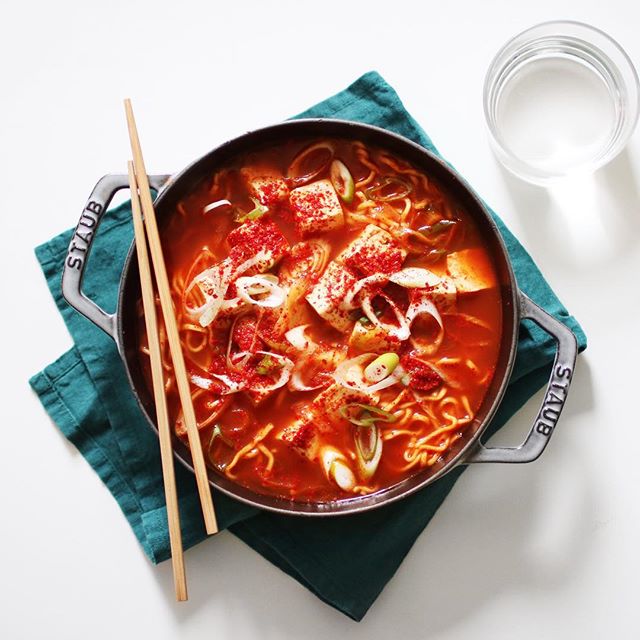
(80, 247)
(554, 398)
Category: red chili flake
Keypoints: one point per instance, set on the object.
(370, 259)
(298, 253)
(309, 201)
(270, 193)
(310, 209)
(302, 437)
(254, 379)
(268, 323)
(321, 378)
(416, 295)
(301, 251)
(270, 190)
(421, 375)
(251, 237)
(337, 281)
(245, 335)
(250, 376)
(371, 289)
(312, 280)
(218, 363)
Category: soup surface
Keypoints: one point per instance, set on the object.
(339, 316)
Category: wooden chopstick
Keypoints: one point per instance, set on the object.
(164, 431)
(180, 371)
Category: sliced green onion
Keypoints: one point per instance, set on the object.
(257, 212)
(366, 441)
(342, 181)
(434, 255)
(216, 432)
(336, 468)
(268, 365)
(368, 416)
(278, 365)
(381, 367)
(439, 227)
(368, 450)
(364, 320)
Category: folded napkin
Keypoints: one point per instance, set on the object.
(87, 395)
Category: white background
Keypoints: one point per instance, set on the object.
(546, 550)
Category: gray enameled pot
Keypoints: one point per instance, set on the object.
(121, 325)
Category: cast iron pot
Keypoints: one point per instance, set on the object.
(122, 325)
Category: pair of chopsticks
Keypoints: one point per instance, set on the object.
(142, 204)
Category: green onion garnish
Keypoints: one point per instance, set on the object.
(254, 214)
(268, 365)
(367, 416)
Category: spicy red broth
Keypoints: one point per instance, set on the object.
(339, 315)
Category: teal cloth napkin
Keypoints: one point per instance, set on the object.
(345, 561)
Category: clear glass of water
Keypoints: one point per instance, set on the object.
(560, 99)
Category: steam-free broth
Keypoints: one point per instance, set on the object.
(339, 314)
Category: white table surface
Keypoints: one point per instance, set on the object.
(545, 550)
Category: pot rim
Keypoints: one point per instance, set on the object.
(395, 492)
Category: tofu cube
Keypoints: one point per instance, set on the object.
(327, 295)
(302, 436)
(471, 270)
(327, 404)
(316, 208)
(443, 295)
(373, 251)
(368, 338)
(270, 191)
